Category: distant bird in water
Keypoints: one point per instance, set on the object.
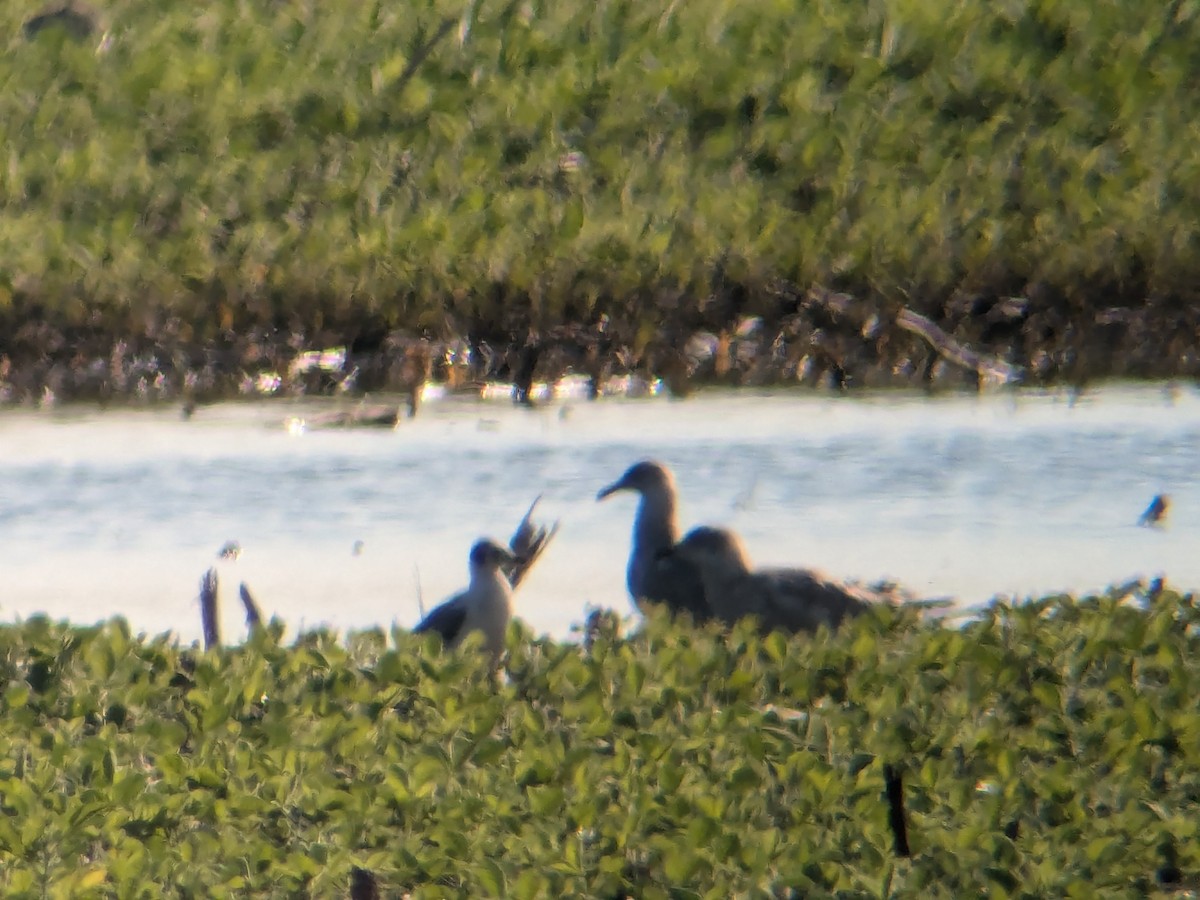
(230, 550)
(655, 574)
(485, 605)
(786, 599)
(1156, 513)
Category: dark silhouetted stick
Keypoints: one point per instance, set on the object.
(253, 613)
(1012, 830)
(208, 609)
(1169, 874)
(420, 55)
(363, 885)
(895, 798)
(420, 593)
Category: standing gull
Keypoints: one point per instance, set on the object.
(655, 573)
(785, 599)
(485, 605)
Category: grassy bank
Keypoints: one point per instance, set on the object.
(1046, 750)
(486, 167)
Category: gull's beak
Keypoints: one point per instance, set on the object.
(611, 489)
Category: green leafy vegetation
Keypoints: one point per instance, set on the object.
(189, 169)
(1047, 749)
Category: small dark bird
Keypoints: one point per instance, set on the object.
(485, 605)
(1156, 512)
(230, 550)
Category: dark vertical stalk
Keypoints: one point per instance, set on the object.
(363, 885)
(895, 798)
(208, 609)
(421, 53)
(253, 613)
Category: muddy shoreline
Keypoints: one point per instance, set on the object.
(823, 339)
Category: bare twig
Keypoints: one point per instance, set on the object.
(253, 613)
(208, 609)
(420, 595)
(422, 53)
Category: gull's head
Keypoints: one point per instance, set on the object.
(646, 477)
(487, 555)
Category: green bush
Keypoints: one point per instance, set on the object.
(1048, 749)
(439, 165)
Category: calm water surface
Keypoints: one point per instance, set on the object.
(107, 512)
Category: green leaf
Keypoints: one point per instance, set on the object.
(775, 645)
(679, 865)
(528, 885)
(490, 878)
(92, 878)
(545, 801)
(1145, 719)
(572, 219)
(16, 696)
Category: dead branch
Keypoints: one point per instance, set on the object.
(253, 613)
(989, 368)
(422, 53)
(208, 609)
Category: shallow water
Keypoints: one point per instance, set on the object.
(120, 512)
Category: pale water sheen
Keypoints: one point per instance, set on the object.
(120, 512)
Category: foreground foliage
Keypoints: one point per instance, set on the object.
(474, 164)
(1046, 750)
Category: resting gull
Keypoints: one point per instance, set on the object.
(485, 605)
(785, 599)
(709, 575)
(655, 573)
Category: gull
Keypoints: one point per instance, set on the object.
(655, 574)
(484, 606)
(788, 599)
(708, 573)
